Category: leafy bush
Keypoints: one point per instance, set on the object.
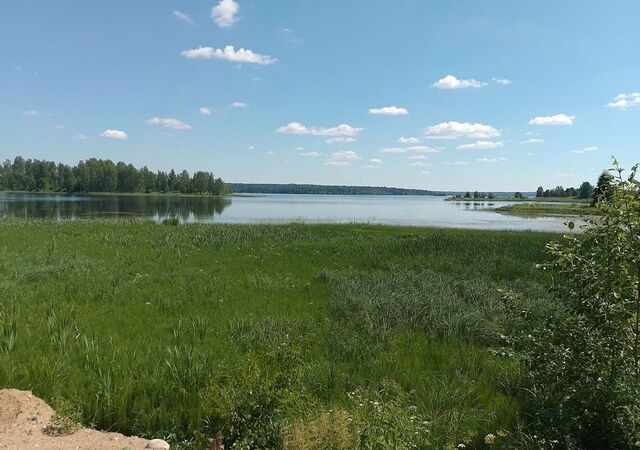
(584, 374)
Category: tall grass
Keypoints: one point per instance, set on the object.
(256, 331)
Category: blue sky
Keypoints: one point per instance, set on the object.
(489, 95)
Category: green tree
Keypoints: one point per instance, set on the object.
(601, 191)
(585, 191)
(540, 192)
(584, 368)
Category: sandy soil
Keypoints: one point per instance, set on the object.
(23, 417)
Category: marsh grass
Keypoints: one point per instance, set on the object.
(258, 332)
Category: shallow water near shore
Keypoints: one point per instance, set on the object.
(406, 210)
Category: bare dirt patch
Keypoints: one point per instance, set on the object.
(24, 419)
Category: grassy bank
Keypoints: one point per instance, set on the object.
(526, 199)
(529, 209)
(271, 335)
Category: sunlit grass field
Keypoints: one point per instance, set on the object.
(272, 335)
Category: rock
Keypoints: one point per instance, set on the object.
(158, 444)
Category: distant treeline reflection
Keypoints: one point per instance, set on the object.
(78, 206)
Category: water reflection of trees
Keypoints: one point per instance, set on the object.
(157, 207)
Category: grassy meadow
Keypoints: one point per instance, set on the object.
(294, 336)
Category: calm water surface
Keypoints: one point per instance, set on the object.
(279, 208)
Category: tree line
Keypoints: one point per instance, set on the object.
(268, 188)
(100, 175)
(585, 191)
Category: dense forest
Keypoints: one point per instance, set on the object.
(266, 188)
(98, 175)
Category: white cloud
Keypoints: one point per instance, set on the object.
(491, 160)
(418, 157)
(451, 82)
(224, 13)
(558, 119)
(342, 130)
(204, 111)
(456, 163)
(502, 81)
(455, 130)
(168, 123)
(423, 149)
(374, 163)
(229, 53)
(335, 140)
(57, 127)
(114, 134)
(311, 154)
(269, 152)
(408, 140)
(31, 113)
(343, 158)
(238, 105)
(624, 101)
(481, 145)
(182, 16)
(417, 164)
(426, 172)
(585, 150)
(79, 136)
(532, 141)
(251, 147)
(393, 150)
(389, 111)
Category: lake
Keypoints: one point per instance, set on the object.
(278, 208)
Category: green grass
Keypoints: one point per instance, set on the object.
(574, 200)
(184, 331)
(548, 210)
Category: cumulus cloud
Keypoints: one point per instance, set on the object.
(394, 150)
(491, 160)
(423, 149)
(168, 123)
(182, 16)
(408, 140)
(456, 163)
(31, 113)
(311, 154)
(455, 130)
(593, 148)
(418, 157)
(229, 53)
(532, 141)
(335, 140)
(558, 119)
(374, 163)
(481, 145)
(224, 13)
(204, 111)
(114, 134)
(389, 111)
(238, 105)
(624, 101)
(502, 81)
(342, 130)
(79, 136)
(343, 158)
(451, 82)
